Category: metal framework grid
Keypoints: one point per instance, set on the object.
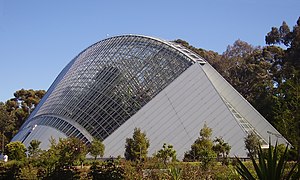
(131, 81)
(108, 83)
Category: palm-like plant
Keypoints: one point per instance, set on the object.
(269, 167)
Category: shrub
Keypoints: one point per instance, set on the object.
(96, 148)
(136, 148)
(166, 154)
(202, 149)
(110, 169)
(271, 165)
(15, 150)
(11, 169)
(28, 172)
(65, 173)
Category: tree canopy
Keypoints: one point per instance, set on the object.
(96, 148)
(34, 148)
(252, 144)
(136, 148)
(166, 154)
(268, 77)
(287, 95)
(221, 148)
(202, 149)
(15, 150)
(16, 110)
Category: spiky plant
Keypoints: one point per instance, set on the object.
(269, 167)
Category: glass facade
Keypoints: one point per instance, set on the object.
(108, 83)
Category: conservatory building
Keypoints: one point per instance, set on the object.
(133, 81)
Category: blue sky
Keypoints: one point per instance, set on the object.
(38, 38)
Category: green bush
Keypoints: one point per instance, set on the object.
(15, 150)
(65, 173)
(28, 172)
(224, 172)
(110, 169)
(131, 170)
(11, 169)
(191, 171)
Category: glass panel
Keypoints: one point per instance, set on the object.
(110, 81)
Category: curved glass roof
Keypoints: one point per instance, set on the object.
(109, 82)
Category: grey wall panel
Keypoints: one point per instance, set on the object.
(241, 105)
(42, 133)
(20, 135)
(177, 115)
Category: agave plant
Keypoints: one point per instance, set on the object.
(269, 166)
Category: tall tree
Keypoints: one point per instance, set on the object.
(166, 154)
(221, 148)
(96, 148)
(252, 144)
(23, 104)
(7, 126)
(287, 109)
(70, 150)
(136, 148)
(245, 68)
(14, 112)
(202, 150)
